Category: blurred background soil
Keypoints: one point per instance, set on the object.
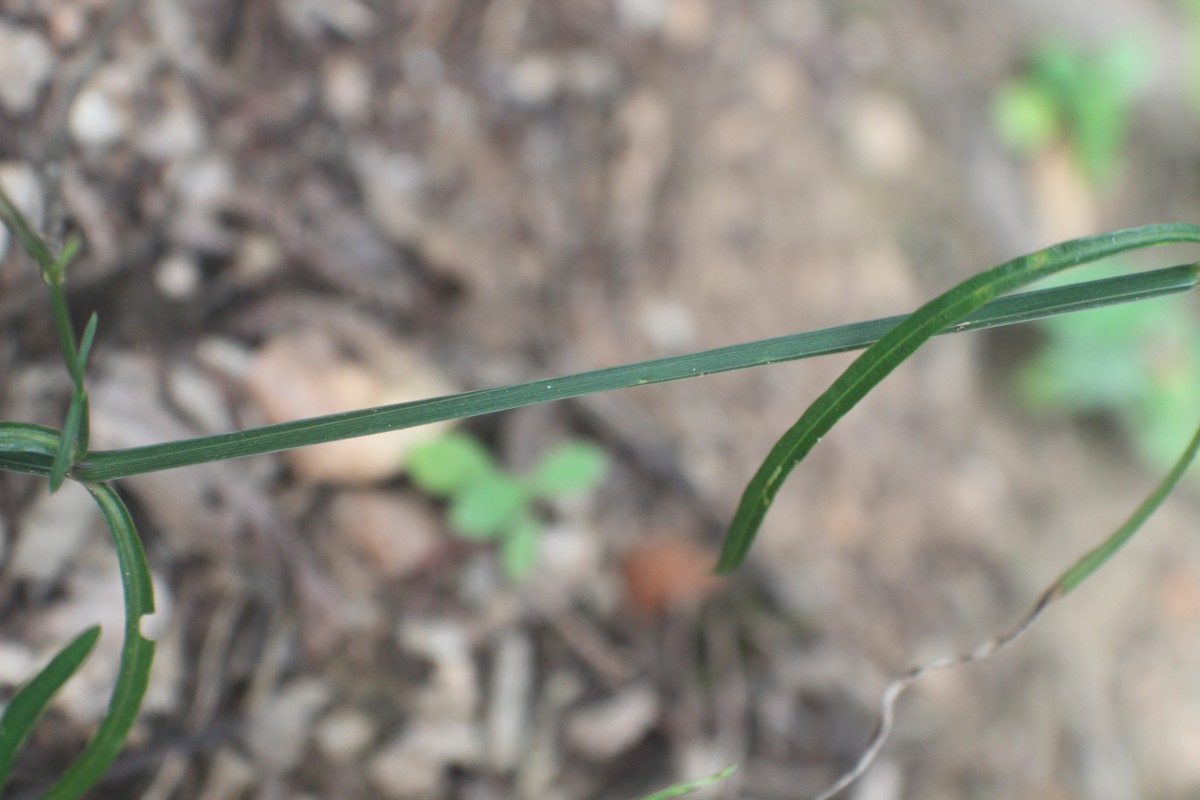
(294, 206)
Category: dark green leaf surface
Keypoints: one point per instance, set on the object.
(900, 342)
(27, 448)
(136, 655)
(1004, 311)
(27, 705)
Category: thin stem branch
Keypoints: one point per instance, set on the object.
(111, 464)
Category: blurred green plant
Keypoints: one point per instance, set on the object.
(1139, 362)
(487, 501)
(1069, 95)
(1150, 352)
(687, 787)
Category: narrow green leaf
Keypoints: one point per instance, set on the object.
(1078, 572)
(895, 346)
(483, 509)
(67, 444)
(66, 256)
(270, 438)
(27, 705)
(89, 336)
(449, 463)
(572, 466)
(27, 448)
(11, 216)
(85, 350)
(690, 786)
(136, 655)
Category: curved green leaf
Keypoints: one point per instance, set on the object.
(136, 655)
(27, 705)
(28, 448)
(108, 465)
(1078, 572)
(901, 342)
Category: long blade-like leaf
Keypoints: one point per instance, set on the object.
(107, 465)
(27, 705)
(900, 342)
(136, 655)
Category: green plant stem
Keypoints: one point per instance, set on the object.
(111, 464)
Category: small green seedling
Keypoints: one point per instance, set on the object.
(489, 502)
(1067, 95)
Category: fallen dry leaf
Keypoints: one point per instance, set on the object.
(395, 534)
(316, 371)
(668, 573)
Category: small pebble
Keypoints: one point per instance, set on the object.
(346, 89)
(642, 16)
(280, 728)
(610, 727)
(344, 734)
(177, 276)
(97, 119)
(884, 136)
(350, 18)
(26, 63)
(535, 79)
(52, 533)
(177, 132)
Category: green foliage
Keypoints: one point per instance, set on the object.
(1082, 98)
(27, 705)
(488, 502)
(1140, 362)
(895, 346)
